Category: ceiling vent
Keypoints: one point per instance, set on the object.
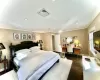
(43, 12)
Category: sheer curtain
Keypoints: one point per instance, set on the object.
(91, 42)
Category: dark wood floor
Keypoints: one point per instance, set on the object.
(76, 72)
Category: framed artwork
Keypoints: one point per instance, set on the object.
(24, 36)
(16, 36)
(30, 36)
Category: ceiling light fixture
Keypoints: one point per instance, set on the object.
(43, 12)
(26, 19)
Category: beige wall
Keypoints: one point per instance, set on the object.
(82, 36)
(47, 41)
(95, 26)
(6, 37)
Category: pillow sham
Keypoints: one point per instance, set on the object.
(21, 56)
(35, 49)
(22, 53)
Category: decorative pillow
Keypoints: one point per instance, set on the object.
(21, 56)
(22, 53)
(35, 49)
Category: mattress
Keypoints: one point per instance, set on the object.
(59, 72)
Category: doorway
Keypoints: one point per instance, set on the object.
(53, 43)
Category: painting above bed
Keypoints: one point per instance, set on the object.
(16, 36)
(24, 36)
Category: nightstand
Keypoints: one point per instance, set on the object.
(5, 63)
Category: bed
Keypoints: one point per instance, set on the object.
(14, 48)
(44, 65)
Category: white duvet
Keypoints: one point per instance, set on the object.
(59, 72)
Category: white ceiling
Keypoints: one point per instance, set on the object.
(64, 14)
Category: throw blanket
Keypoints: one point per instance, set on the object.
(32, 55)
(35, 67)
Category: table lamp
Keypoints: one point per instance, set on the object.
(76, 42)
(40, 42)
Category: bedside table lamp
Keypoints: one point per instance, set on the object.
(40, 42)
(1, 48)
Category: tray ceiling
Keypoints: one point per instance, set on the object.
(63, 14)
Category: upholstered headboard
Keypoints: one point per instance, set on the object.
(22, 45)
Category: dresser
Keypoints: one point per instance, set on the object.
(76, 50)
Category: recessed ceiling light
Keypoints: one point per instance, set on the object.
(53, 0)
(26, 19)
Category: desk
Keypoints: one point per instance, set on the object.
(64, 49)
(76, 50)
(91, 71)
(98, 49)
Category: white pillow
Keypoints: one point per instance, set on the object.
(22, 53)
(35, 49)
(21, 56)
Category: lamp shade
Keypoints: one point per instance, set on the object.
(1, 46)
(76, 41)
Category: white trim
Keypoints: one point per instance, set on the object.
(36, 31)
(76, 29)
